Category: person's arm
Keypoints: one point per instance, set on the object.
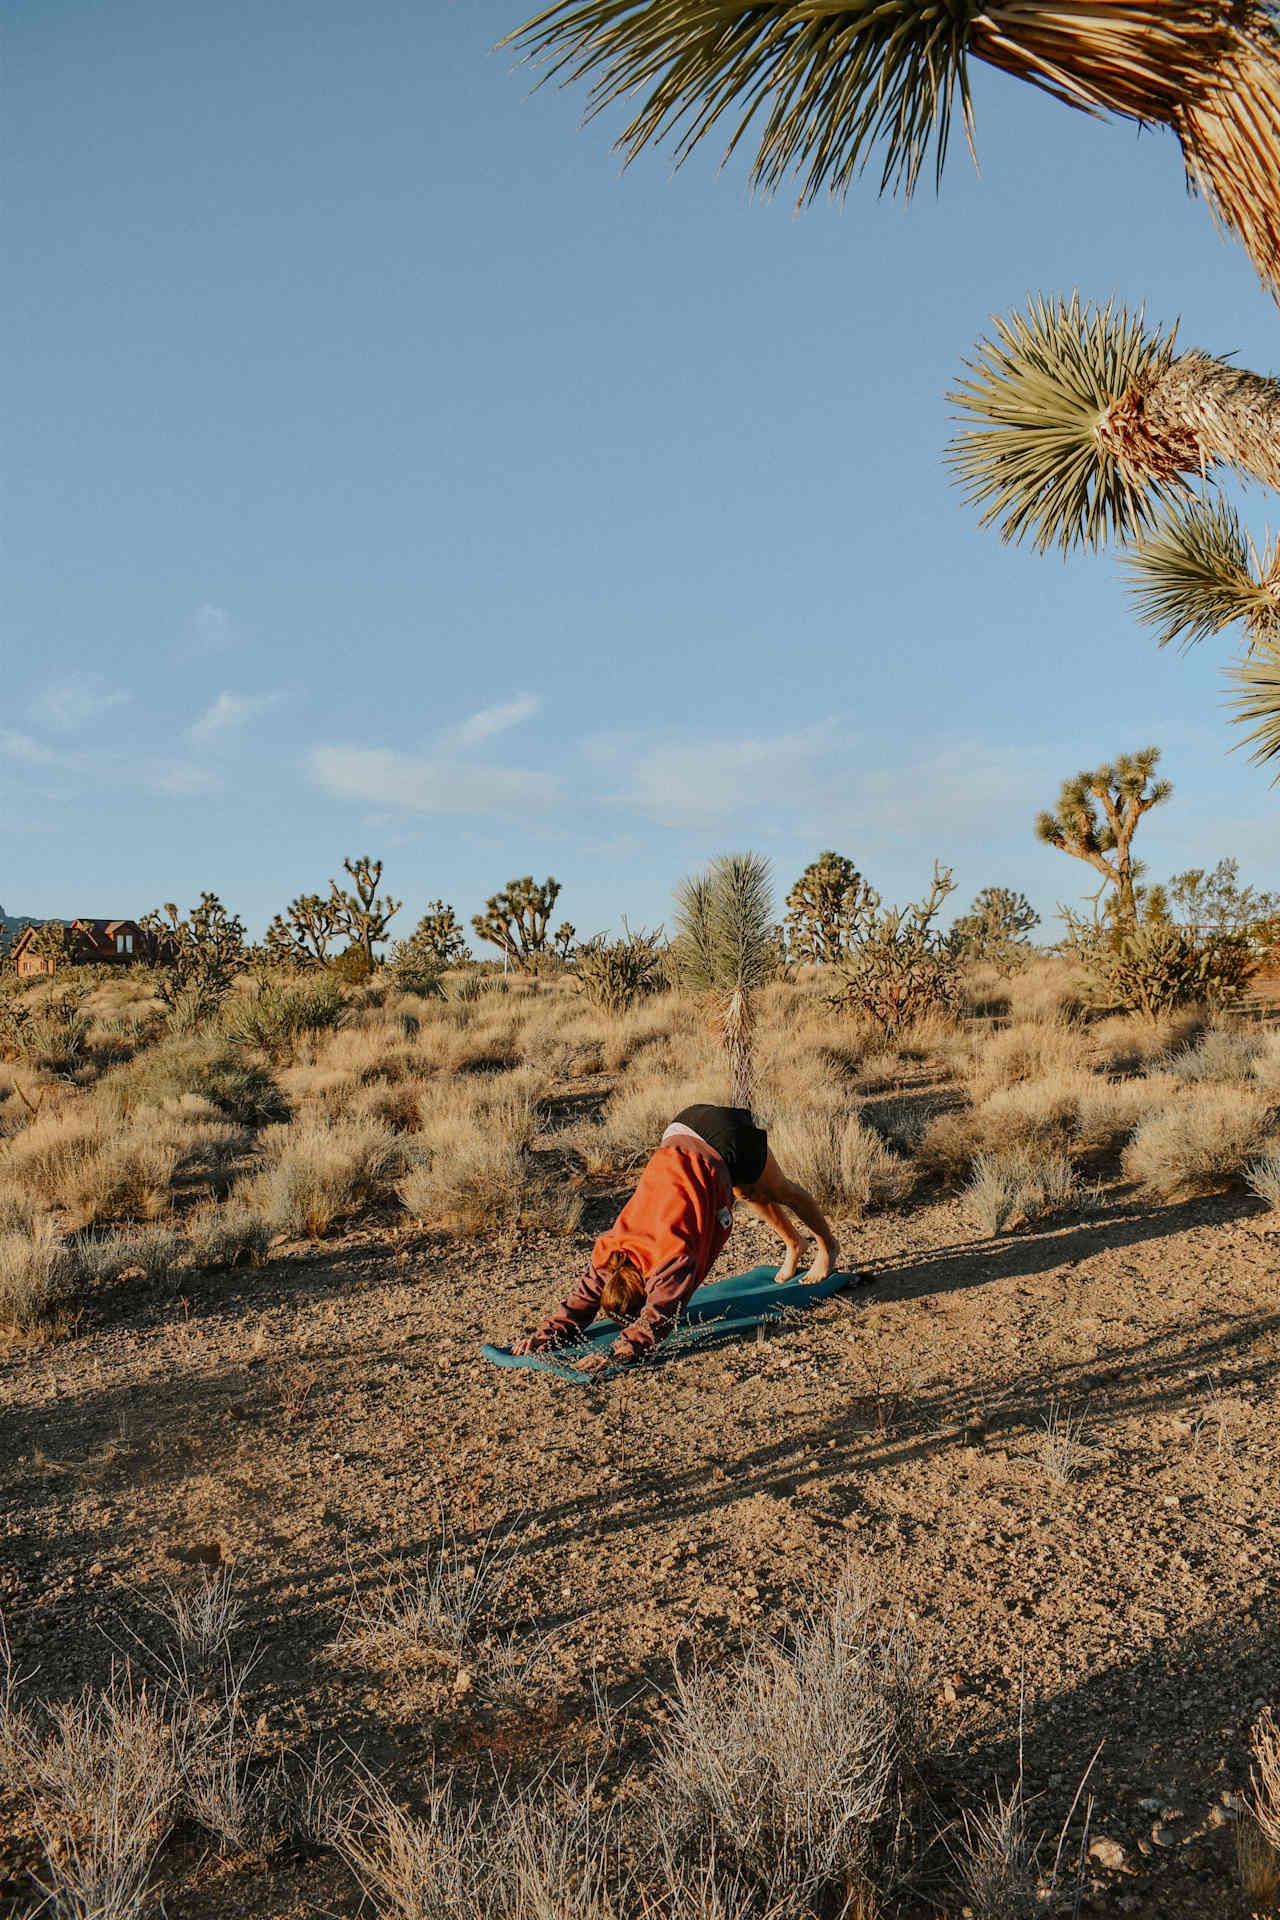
(570, 1318)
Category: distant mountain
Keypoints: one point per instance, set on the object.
(11, 925)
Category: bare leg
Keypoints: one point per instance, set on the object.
(774, 1189)
(774, 1217)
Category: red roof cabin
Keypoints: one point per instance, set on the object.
(111, 943)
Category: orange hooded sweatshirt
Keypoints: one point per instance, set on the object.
(673, 1227)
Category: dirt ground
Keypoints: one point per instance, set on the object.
(309, 1422)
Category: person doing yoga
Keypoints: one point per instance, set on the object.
(669, 1235)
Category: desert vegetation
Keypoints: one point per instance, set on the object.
(223, 1128)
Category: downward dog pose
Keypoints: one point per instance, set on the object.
(670, 1233)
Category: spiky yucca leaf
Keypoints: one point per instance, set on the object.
(1198, 574)
(1091, 424)
(1258, 678)
(1042, 388)
(835, 79)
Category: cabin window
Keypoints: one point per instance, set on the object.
(124, 943)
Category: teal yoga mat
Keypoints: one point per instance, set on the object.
(717, 1311)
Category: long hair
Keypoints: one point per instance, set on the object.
(623, 1295)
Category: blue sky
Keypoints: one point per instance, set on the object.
(389, 472)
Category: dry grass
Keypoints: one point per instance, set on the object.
(318, 1173)
(1265, 1774)
(36, 1273)
(1219, 1054)
(842, 1162)
(1019, 1186)
(787, 1764)
(1201, 1141)
(1029, 1051)
(1263, 1178)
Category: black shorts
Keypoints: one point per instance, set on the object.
(741, 1144)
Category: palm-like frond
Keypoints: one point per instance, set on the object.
(1198, 574)
(836, 79)
(1043, 388)
(1258, 678)
(742, 920)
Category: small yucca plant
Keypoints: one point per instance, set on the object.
(726, 948)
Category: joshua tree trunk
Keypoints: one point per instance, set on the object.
(1199, 413)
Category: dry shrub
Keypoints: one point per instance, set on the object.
(1266, 1062)
(796, 1075)
(1221, 1053)
(318, 1173)
(470, 1171)
(144, 1251)
(36, 1273)
(637, 1117)
(75, 1163)
(1047, 992)
(1127, 1041)
(102, 1775)
(225, 1236)
(241, 1090)
(1020, 1185)
(468, 1186)
(398, 1107)
(1198, 1142)
(1030, 1051)
(1109, 1110)
(947, 1145)
(879, 1071)
(843, 1163)
(985, 991)
(1263, 1177)
(1265, 1775)
(1032, 1112)
(797, 1764)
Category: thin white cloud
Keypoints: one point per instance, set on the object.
(425, 784)
(229, 712)
(20, 746)
(715, 783)
(209, 630)
(182, 778)
(76, 701)
(491, 720)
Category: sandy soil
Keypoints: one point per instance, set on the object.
(309, 1421)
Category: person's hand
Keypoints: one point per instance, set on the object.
(596, 1362)
(532, 1343)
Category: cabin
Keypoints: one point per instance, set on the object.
(111, 943)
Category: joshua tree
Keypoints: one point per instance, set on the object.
(301, 935)
(834, 82)
(1199, 574)
(361, 915)
(1090, 422)
(438, 937)
(819, 908)
(516, 919)
(726, 948)
(205, 950)
(52, 941)
(1123, 792)
(998, 921)
(566, 934)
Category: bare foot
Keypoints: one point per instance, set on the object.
(823, 1264)
(787, 1271)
